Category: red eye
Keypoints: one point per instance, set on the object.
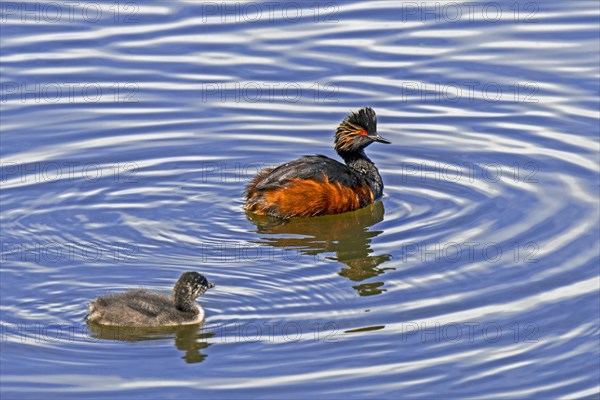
(363, 132)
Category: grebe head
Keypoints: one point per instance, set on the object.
(357, 131)
(189, 286)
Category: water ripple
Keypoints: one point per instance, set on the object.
(480, 262)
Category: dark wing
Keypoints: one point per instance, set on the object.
(144, 308)
(145, 303)
(309, 167)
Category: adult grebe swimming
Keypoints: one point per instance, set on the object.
(318, 185)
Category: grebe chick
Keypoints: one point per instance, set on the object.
(318, 185)
(144, 308)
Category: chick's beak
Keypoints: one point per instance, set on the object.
(379, 139)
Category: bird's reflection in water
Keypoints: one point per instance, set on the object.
(188, 338)
(347, 235)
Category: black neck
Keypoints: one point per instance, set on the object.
(185, 304)
(365, 168)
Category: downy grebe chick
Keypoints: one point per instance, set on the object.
(318, 185)
(144, 308)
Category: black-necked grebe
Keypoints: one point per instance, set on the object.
(318, 185)
(143, 308)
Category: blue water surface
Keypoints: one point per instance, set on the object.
(130, 129)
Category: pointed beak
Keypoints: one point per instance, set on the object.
(379, 139)
(211, 285)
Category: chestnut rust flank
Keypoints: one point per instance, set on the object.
(307, 197)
